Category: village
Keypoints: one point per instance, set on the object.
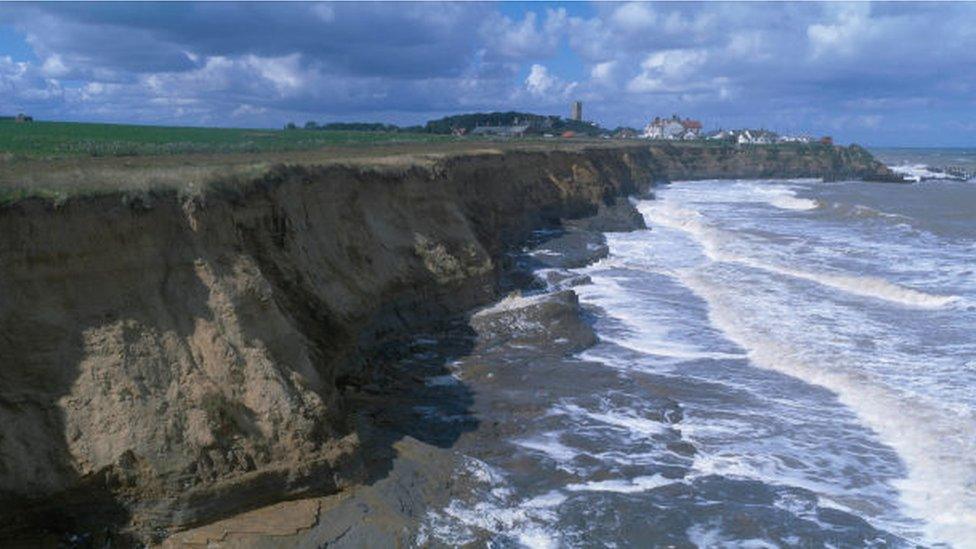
(673, 128)
(676, 128)
(506, 125)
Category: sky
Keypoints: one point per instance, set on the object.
(882, 74)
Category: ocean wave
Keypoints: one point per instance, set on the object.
(640, 333)
(938, 453)
(623, 486)
(716, 245)
(669, 350)
(786, 199)
(625, 420)
(865, 286)
(920, 172)
(493, 509)
(787, 202)
(713, 536)
(858, 211)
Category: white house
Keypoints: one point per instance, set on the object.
(755, 137)
(672, 128)
(795, 139)
(654, 129)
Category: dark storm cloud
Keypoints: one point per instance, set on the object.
(411, 40)
(881, 72)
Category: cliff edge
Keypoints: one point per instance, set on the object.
(167, 359)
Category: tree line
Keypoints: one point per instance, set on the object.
(537, 124)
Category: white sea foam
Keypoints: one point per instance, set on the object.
(719, 246)
(670, 350)
(893, 388)
(550, 446)
(918, 172)
(627, 420)
(713, 537)
(866, 286)
(494, 509)
(785, 198)
(788, 202)
(512, 303)
(941, 456)
(645, 333)
(623, 486)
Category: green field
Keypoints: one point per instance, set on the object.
(73, 139)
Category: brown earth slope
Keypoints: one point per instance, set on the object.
(169, 358)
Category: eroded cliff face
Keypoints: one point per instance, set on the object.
(168, 360)
(756, 162)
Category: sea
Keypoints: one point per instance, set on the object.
(929, 163)
(781, 363)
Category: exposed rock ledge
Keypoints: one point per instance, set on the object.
(171, 360)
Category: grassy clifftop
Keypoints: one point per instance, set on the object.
(60, 178)
(75, 139)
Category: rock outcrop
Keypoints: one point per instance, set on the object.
(168, 360)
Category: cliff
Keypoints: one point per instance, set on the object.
(167, 359)
(756, 162)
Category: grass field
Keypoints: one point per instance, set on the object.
(71, 139)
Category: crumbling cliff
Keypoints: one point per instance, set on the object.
(168, 359)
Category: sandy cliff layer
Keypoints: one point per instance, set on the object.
(165, 360)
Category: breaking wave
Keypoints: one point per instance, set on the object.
(921, 172)
(786, 199)
(857, 211)
(938, 455)
(718, 245)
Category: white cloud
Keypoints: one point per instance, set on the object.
(54, 66)
(669, 71)
(749, 46)
(843, 36)
(605, 73)
(541, 83)
(528, 38)
(11, 70)
(634, 16)
(284, 72)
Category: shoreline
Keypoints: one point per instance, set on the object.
(391, 510)
(264, 310)
(525, 354)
